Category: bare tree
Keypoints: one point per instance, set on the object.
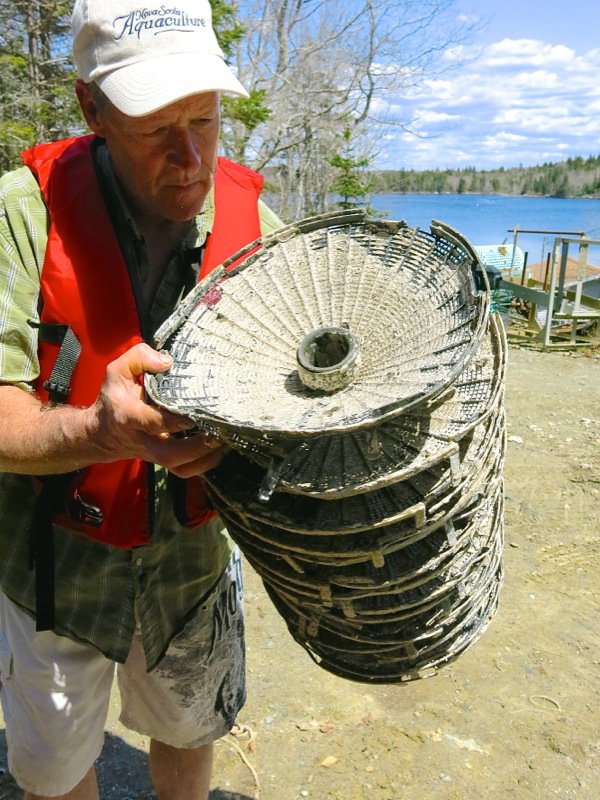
(322, 65)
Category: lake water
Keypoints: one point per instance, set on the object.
(485, 219)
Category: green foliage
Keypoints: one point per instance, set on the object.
(249, 111)
(349, 183)
(14, 138)
(227, 26)
(241, 115)
(562, 189)
(36, 76)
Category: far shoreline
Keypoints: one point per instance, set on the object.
(492, 194)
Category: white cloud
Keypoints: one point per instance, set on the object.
(459, 53)
(517, 101)
(506, 137)
(516, 52)
(536, 79)
(546, 118)
(424, 115)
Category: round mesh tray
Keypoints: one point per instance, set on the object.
(407, 296)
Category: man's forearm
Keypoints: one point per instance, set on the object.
(40, 440)
(44, 440)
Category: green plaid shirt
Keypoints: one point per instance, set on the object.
(100, 590)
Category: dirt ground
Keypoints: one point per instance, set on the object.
(517, 716)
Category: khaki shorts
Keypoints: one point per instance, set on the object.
(55, 692)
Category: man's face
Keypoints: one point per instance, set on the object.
(165, 161)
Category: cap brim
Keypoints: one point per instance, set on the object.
(145, 87)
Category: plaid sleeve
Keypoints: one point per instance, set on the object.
(269, 221)
(23, 235)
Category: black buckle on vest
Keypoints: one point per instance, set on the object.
(57, 392)
(58, 385)
(84, 512)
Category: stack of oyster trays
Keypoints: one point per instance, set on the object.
(354, 369)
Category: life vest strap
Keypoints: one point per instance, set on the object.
(41, 540)
(58, 385)
(41, 549)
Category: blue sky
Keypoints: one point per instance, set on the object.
(526, 91)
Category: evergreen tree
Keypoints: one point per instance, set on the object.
(349, 183)
(562, 190)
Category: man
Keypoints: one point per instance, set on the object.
(110, 552)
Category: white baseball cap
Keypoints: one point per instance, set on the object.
(146, 57)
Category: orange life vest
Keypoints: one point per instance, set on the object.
(85, 285)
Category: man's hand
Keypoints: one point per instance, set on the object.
(129, 426)
(38, 440)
